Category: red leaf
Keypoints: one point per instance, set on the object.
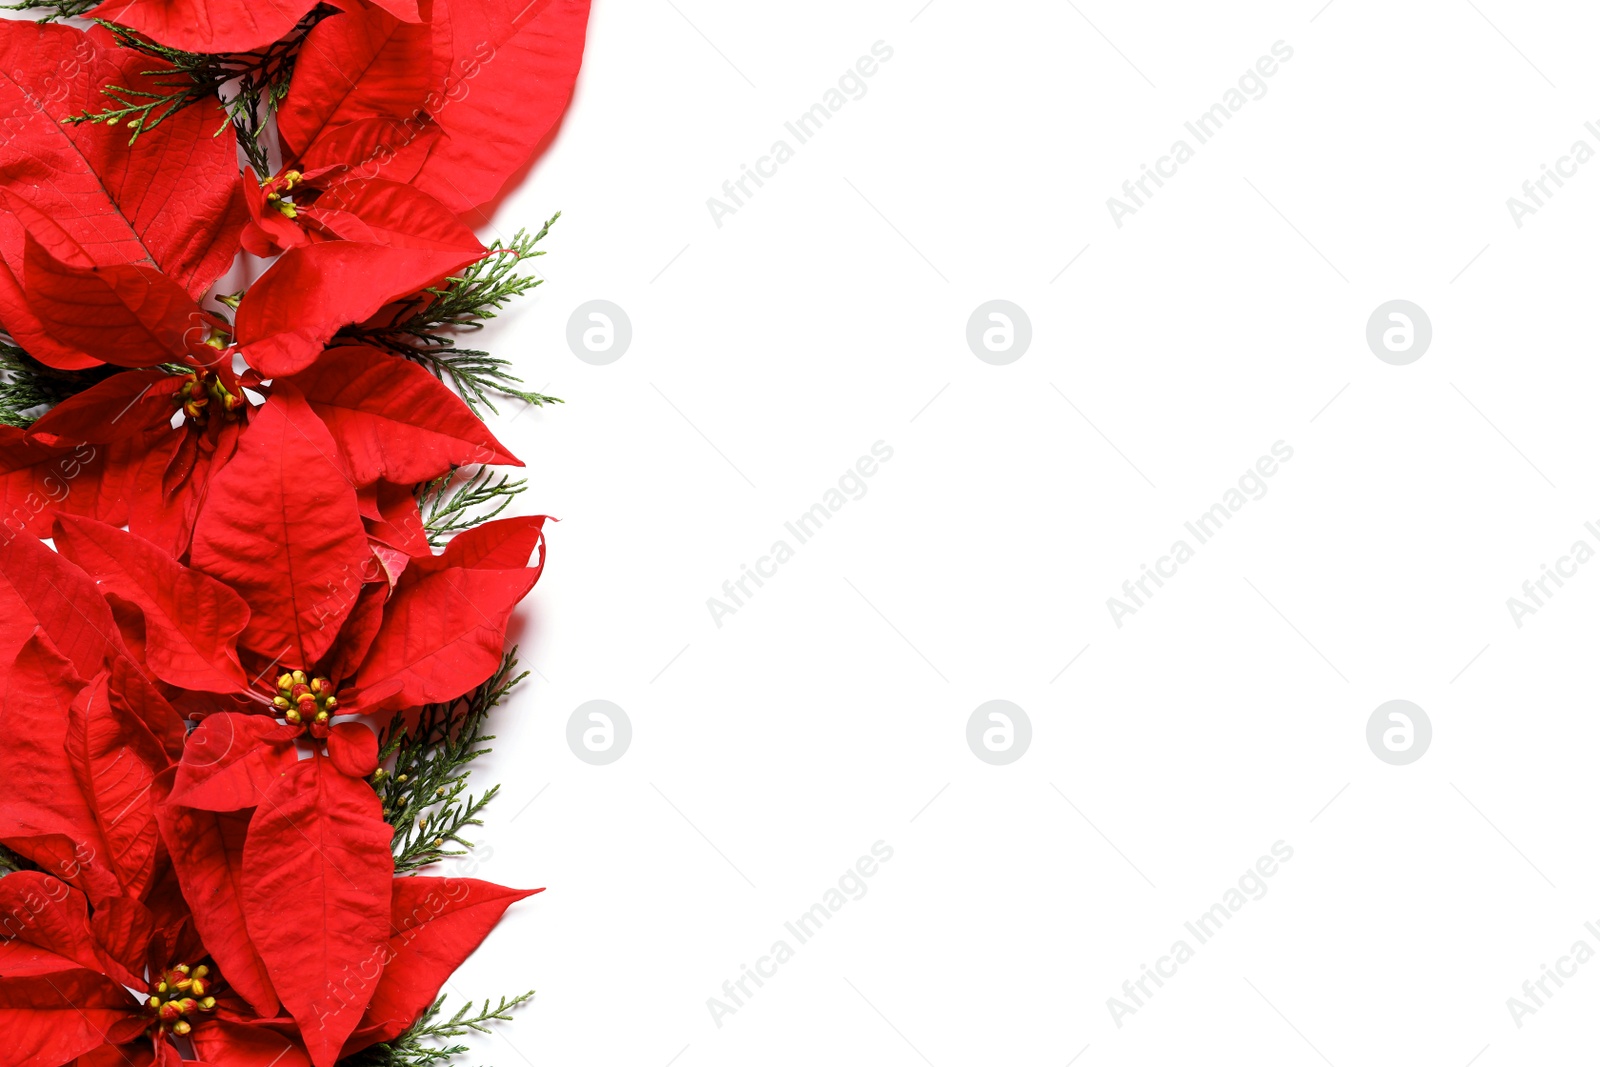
(45, 818)
(124, 405)
(392, 419)
(169, 199)
(118, 1056)
(18, 959)
(401, 525)
(281, 527)
(116, 761)
(207, 25)
(123, 929)
(104, 481)
(500, 544)
(502, 76)
(404, 10)
(301, 301)
(358, 633)
(375, 147)
(231, 761)
(47, 1024)
(129, 314)
(208, 854)
(132, 694)
(221, 1043)
(443, 634)
(436, 924)
(353, 68)
(170, 485)
(353, 747)
(49, 915)
(40, 587)
(192, 622)
(317, 873)
(390, 213)
(39, 476)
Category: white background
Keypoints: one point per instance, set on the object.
(830, 711)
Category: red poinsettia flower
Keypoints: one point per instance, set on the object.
(124, 985)
(40, 476)
(433, 925)
(281, 582)
(67, 979)
(454, 106)
(169, 201)
(390, 422)
(88, 739)
(244, 804)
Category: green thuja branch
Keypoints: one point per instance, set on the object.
(424, 329)
(27, 387)
(416, 1048)
(53, 9)
(448, 508)
(260, 80)
(423, 781)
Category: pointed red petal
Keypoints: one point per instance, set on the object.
(436, 924)
(192, 621)
(133, 694)
(359, 631)
(45, 818)
(116, 761)
(40, 476)
(118, 1056)
(129, 314)
(170, 198)
(376, 147)
(50, 915)
(208, 853)
(390, 213)
(49, 1023)
(401, 525)
(124, 405)
(404, 10)
(281, 527)
(41, 588)
(18, 959)
(500, 544)
(394, 420)
(355, 67)
(502, 76)
(231, 761)
(228, 1044)
(123, 929)
(301, 301)
(443, 634)
(318, 853)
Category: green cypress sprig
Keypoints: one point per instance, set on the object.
(425, 328)
(259, 80)
(28, 388)
(423, 778)
(53, 10)
(449, 507)
(416, 1048)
